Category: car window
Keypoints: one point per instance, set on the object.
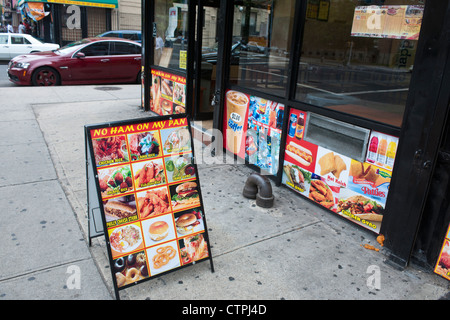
(113, 34)
(17, 40)
(131, 36)
(26, 41)
(122, 48)
(96, 49)
(3, 39)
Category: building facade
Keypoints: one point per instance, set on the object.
(65, 21)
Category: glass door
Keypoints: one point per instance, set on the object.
(206, 58)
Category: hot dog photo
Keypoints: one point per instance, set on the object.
(301, 153)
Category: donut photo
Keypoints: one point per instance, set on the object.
(130, 269)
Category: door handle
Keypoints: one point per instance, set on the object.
(139, 58)
(104, 60)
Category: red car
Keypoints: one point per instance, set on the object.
(88, 61)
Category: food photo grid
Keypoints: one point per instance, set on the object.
(168, 93)
(150, 194)
(353, 189)
(443, 264)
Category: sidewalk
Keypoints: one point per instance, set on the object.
(294, 250)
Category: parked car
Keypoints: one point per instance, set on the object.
(14, 44)
(124, 34)
(88, 61)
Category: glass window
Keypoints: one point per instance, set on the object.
(123, 48)
(17, 40)
(171, 18)
(358, 58)
(3, 39)
(96, 49)
(261, 49)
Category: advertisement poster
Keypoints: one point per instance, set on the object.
(393, 22)
(150, 194)
(355, 190)
(382, 150)
(253, 129)
(443, 264)
(168, 93)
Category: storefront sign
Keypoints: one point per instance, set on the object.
(353, 189)
(168, 93)
(111, 4)
(394, 22)
(443, 264)
(253, 129)
(149, 196)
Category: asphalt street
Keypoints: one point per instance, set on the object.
(4, 81)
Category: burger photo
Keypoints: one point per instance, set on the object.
(186, 223)
(186, 194)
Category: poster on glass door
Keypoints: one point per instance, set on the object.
(253, 127)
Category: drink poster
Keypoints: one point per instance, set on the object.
(236, 115)
(443, 264)
(168, 93)
(252, 129)
(353, 189)
(150, 197)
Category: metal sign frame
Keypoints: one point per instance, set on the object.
(90, 160)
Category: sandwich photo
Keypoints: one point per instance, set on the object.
(361, 207)
(296, 176)
(186, 194)
(118, 208)
(186, 223)
(178, 140)
(195, 248)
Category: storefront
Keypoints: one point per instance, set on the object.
(65, 21)
(343, 102)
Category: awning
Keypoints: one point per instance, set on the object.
(111, 4)
(34, 10)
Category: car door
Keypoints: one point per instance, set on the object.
(93, 66)
(4, 46)
(125, 60)
(19, 45)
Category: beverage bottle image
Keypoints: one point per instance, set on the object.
(373, 146)
(381, 152)
(390, 154)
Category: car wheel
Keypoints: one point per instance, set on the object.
(45, 76)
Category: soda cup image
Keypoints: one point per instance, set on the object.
(237, 105)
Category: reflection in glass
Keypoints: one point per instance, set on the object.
(357, 58)
(171, 41)
(261, 47)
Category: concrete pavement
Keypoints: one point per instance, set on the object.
(293, 250)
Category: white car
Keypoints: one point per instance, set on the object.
(15, 44)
